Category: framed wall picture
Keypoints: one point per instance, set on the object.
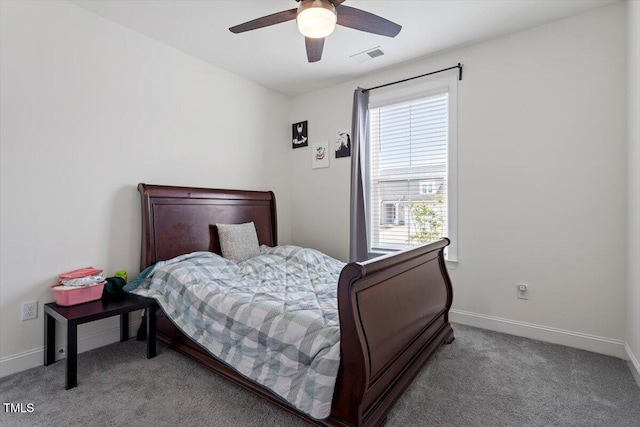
(343, 144)
(300, 135)
(320, 155)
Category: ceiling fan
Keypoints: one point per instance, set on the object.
(316, 19)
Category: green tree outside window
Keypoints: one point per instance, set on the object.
(428, 218)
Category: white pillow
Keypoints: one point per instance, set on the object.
(238, 242)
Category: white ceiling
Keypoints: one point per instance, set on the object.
(275, 56)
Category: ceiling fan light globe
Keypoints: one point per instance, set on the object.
(316, 18)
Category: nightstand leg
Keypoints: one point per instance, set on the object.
(72, 355)
(49, 339)
(124, 327)
(151, 331)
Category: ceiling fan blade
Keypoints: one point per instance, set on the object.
(265, 21)
(365, 21)
(314, 48)
(337, 3)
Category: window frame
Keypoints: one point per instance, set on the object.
(410, 92)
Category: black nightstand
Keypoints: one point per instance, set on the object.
(74, 315)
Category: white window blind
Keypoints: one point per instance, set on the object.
(409, 157)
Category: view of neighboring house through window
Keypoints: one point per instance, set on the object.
(409, 171)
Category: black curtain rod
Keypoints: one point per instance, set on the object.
(459, 67)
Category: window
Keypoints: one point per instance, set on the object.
(412, 167)
(429, 187)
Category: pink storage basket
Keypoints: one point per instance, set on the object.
(79, 295)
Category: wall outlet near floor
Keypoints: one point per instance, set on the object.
(522, 291)
(29, 310)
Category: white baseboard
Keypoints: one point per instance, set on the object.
(578, 340)
(633, 363)
(33, 358)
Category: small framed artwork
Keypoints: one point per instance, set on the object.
(343, 144)
(300, 134)
(320, 155)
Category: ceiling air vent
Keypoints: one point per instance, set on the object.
(368, 54)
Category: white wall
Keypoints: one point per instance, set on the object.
(633, 174)
(541, 145)
(89, 109)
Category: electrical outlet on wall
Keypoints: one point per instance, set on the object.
(29, 310)
(522, 291)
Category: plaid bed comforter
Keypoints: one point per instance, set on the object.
(274, 317)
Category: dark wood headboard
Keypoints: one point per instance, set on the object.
(179, 220)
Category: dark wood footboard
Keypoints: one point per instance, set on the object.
(393, 310)
(393, 316)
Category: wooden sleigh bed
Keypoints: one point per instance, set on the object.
(393, 310)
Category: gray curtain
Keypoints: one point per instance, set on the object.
(358, 244)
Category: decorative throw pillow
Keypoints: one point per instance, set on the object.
(238, 242)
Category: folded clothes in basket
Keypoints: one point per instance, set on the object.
(83, 281)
